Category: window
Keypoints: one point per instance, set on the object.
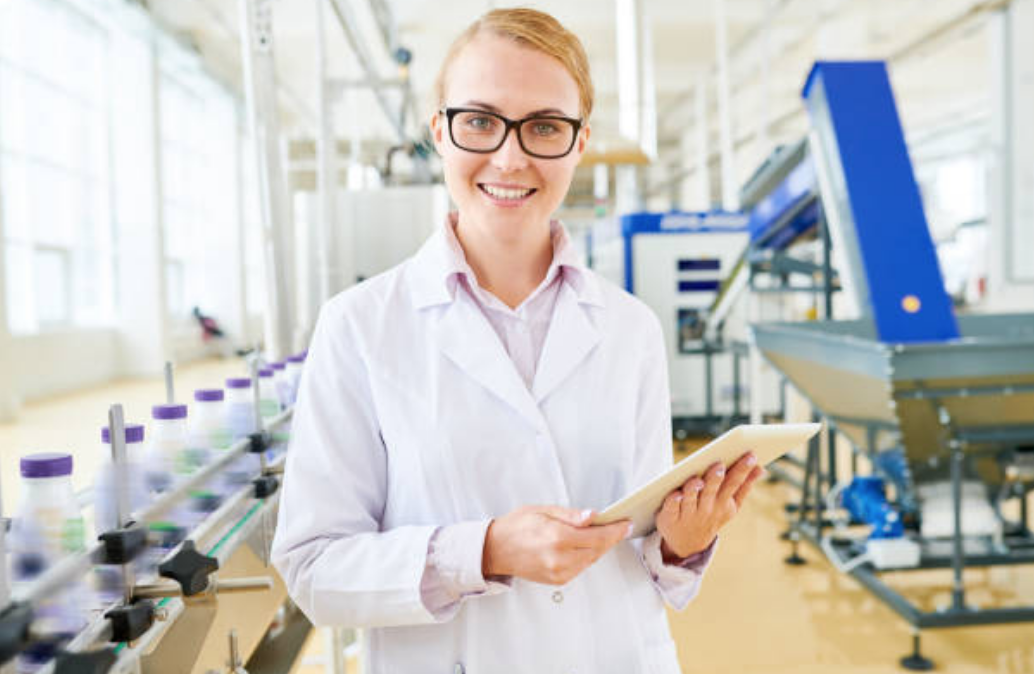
(54, 167)
(199, 174)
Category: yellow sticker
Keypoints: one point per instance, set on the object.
(911, 304)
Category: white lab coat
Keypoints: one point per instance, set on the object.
(412, 416)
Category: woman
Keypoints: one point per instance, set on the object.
(462, 415)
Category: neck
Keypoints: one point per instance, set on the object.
(510, 269)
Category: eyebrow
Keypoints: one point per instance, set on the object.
(491, 108)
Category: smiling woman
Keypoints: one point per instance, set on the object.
(463, 414)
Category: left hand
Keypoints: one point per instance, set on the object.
(691, 517)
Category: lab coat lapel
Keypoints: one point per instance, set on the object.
(571, 338)
(466, 338)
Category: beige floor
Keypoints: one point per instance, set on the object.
(754, 614)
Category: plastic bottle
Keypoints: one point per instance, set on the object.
(105, 512)
(108, 578)
(168, 459)
(294, 374)
(269, 402)
(283, 386)
(207, 431)
(240, 419)
(47, 527)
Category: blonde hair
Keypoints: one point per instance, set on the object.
(535, 30)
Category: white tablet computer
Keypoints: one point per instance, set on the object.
(767, 441)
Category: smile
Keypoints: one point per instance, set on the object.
(506, 193)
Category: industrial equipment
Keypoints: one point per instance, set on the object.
(940, 406)
(213, 586)
(677, 263)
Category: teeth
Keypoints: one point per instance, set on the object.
(503, 193)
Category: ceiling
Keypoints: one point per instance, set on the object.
(939, 54)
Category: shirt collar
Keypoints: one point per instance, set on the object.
(437, 267)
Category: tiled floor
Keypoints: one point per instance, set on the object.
(754, 615)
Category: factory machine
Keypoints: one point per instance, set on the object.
(677, 264)
(938, 407)
(216, 603)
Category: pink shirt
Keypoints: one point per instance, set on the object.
(454, 557)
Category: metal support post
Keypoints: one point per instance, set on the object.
(117, 433)
(170, 388)
(274, 209)
(730, 194)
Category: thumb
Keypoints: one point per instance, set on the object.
(572, 516)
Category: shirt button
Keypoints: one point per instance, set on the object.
(558, 596)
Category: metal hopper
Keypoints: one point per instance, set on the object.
(977, 390)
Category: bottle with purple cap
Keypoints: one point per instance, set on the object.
(269, 402)
(240, 419)
(108, 578)
(294, 373)
(47, 527)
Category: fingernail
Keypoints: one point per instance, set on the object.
(586, 514)
(752, 460)
(720, 472)
(678, 498)
(628, 531)
(698, 486)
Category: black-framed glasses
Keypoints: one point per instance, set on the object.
(542, 136)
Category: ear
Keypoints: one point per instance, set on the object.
(583, 139)
(437, 125)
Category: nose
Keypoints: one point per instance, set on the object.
(510, 155)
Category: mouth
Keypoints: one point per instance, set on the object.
(507, 196)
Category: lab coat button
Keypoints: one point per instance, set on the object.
(558, 596)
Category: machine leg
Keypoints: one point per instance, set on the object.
(916, 662)
(795, 558)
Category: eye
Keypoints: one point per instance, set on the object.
(544, 128)
(480, 122)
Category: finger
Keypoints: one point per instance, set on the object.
(741, 494)
(737, 475)
(572, 516)
(691, 496)
(670, 508)
(601, 537)
(712, 483)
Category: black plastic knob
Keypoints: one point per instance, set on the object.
(266, 486)
(260, 442)
(189, 568)
(122, 546)
(130, 622)
(89, 662)
(14, 629)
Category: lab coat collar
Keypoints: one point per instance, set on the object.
(433, 271)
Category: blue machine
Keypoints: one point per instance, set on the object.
(872, 201)
(866, 500)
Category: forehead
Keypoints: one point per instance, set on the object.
(513, 78)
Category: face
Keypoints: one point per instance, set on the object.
(507, 194)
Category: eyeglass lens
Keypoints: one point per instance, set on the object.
(480, 131)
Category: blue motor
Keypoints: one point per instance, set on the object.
(866, 500)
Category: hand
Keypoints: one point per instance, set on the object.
(547, 544)
(691, 516)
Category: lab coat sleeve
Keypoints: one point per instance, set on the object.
(337, 563)
(453, 571)
(677, 584)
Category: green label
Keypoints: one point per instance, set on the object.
(73, 535)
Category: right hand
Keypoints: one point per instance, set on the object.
(547, 544)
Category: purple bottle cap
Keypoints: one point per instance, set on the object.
(163, 412)
(266, 372)
(46, 464)
(238, 382)
(208, 395)
(134, 433)
(297, 358)
(278, 366)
